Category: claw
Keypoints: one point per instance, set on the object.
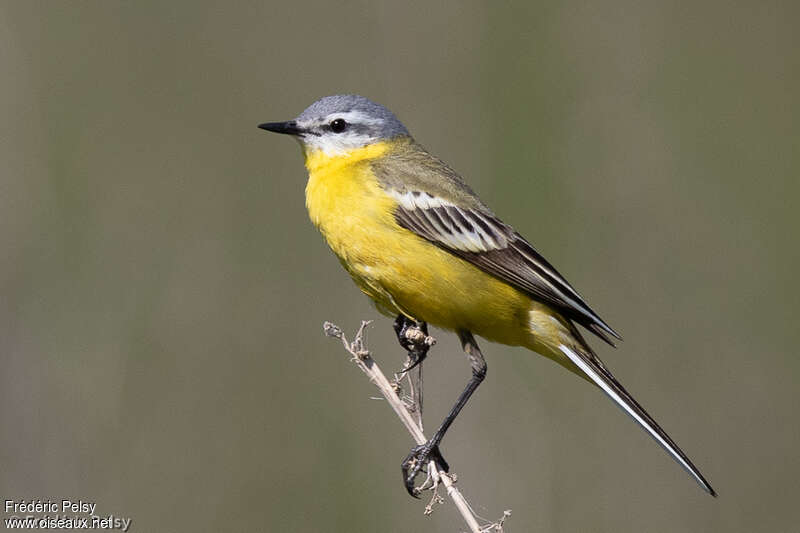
(416, 459)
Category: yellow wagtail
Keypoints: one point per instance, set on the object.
(418, 241)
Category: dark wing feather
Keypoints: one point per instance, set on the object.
(480, 238)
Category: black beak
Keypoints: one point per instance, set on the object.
(289, 127)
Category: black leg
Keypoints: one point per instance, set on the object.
(417, 348)
(420, 455)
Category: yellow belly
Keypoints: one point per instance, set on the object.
(404, 273)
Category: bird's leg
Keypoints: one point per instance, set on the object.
(417, 345)
(422, 454)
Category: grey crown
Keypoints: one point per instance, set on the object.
(388, 127)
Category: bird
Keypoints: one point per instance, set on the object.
(418, 241)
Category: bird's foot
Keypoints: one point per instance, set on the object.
(414, 338)
(418, 457)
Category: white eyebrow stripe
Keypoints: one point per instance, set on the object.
(354, 117)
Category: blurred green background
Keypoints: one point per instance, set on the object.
(163, 291)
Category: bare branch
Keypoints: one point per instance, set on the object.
(363, 359)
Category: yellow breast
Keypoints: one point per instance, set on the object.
(344, 199)
(352, 212)
(398, 269)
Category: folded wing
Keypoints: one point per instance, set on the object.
(479, 237)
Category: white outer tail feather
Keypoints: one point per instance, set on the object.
(602, 382)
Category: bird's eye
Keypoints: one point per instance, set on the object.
(338, 125)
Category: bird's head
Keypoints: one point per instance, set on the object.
(338, 124)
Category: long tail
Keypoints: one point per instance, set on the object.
(596, 371)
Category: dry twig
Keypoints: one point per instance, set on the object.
(403, 408)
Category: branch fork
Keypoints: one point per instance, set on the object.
(403, 409)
